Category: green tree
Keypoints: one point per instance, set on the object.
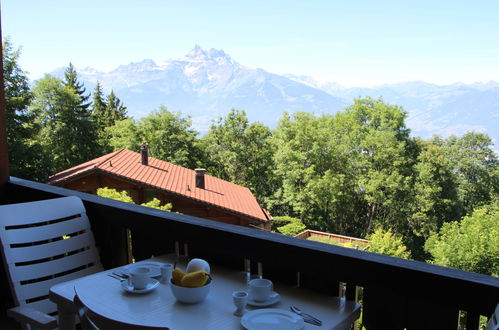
(435, 196)
(375, 136)
(318, 182)
(168, 134)
(114, 194)
(386, 242)
(71, 81)
(241, 153)
(99, 108)
(25, 157)
(347, 173)
(170, 137)
(124, 134)
(471, 244)
(156, 204)
(292, 229)
(115, 110)
(67, 133)
(279, 221)
(476, 167)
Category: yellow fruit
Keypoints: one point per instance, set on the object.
(195, 279)
(177, 276)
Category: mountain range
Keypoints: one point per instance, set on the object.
(207, 83)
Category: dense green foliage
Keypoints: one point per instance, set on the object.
(156, 204)
(287, 225)
(66, 131)
(279, 221)
(348, 173)
(471, 244)
(240, 152)
(115, 194)
(386, 242)
(169, 136)
(292, 229)
(124, 197)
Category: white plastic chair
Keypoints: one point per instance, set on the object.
(494, 320)
(91, 320)
(44, 243)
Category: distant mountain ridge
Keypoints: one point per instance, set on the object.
(207, 83)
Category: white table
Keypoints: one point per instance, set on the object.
(103, 294)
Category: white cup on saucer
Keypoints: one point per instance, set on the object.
(260, 289)
(139, 277)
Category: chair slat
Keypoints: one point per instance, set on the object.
(36, 234)
(51, 249)
(45, 306)
(38, 289)
(34, 271)
(40, 211)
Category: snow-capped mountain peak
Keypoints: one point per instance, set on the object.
(209, 54)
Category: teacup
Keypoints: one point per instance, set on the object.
(139, 277)
(260, 289)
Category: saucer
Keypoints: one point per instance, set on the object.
(153, 284)
(273, 299)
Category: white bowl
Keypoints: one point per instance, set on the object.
(190, 295)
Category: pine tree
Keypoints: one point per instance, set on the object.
(99, 108)
(67, 132)
(71, 80)
(115, 110)
(24, 154)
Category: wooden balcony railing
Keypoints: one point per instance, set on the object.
(397, 293)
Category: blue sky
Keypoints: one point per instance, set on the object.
(354, 43)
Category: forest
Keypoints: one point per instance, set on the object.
(358, 172)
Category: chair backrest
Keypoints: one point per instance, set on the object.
(90, 320)
(493, 323)
(45, 243)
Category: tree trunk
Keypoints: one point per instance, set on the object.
(370, 215)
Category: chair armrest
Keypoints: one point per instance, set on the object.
(31, 316)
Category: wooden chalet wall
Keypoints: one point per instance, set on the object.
(139, 194)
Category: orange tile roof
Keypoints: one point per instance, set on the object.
(170, 178)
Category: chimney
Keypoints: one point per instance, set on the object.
(144, 154)
(200, 177)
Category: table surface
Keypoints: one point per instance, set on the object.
(159, 307)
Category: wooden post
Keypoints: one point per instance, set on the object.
(4, 158)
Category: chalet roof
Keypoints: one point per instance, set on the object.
(170, 178)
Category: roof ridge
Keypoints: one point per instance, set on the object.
(111, 155)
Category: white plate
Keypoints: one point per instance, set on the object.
(273, 299)
(271, 319)
(153, 266)
(153, 284)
